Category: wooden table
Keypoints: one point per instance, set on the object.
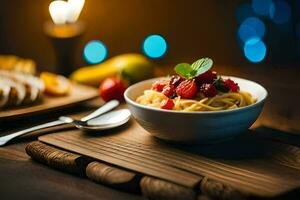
(23, 178)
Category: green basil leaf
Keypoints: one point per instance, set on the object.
(184, 70)
(201, 66)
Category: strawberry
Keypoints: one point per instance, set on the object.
(209, 90)
(187, 89)
(167, 104)
(176, 80)
(169, 91)
(234, 87)
(207, 77)
(159, 85)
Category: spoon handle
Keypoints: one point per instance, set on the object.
(103, 109)
(7, 138)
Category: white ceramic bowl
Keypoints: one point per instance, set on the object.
(198, 126)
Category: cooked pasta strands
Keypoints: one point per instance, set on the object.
(191, 108)
(233, 106)
(228, 102)
(212, 108)
(248, 97)
(177, 102)
(222, 101)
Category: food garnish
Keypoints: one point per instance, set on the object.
(167, 104)
(194, 70)
(187, 89)
(196, 87)
(169, 91)
(234, 87)
(159, 85)
(56, 85)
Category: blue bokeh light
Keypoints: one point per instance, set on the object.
(280, 12)
(244, 11)
(255, 50)
(252, 27)
(261, 7)
(155, 46)
(95, 52)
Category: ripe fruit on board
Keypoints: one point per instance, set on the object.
(112, 88)
(132, 67)
(55, 85)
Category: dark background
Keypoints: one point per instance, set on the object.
(193, 28)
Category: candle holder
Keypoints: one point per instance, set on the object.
(64, 39)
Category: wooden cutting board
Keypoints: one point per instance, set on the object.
(79, 94)
(250, 163)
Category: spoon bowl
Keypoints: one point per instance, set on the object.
(107, 121)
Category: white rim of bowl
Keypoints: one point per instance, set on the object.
(128, 100)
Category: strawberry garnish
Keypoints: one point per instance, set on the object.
(207, 77)
(234, 87)
(209, 90)
(176, 80)
(169, 91)
(159, 85)
(167, 104)
(187, 89)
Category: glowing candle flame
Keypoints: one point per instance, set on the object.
(62, 12)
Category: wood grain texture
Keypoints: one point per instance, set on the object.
(203, 197)
(125, 159)
(157, 189)
(252, 169)
(113, 177)
(79, 94)
(57, 159)
(108, 175)
(218, 190)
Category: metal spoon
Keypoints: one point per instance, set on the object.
(107, 121)
(82, 122)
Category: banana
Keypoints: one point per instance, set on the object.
(132, 67)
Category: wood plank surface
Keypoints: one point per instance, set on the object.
(248, 163)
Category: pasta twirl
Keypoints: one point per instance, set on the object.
(222, 101)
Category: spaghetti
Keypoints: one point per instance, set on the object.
(222, 101)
